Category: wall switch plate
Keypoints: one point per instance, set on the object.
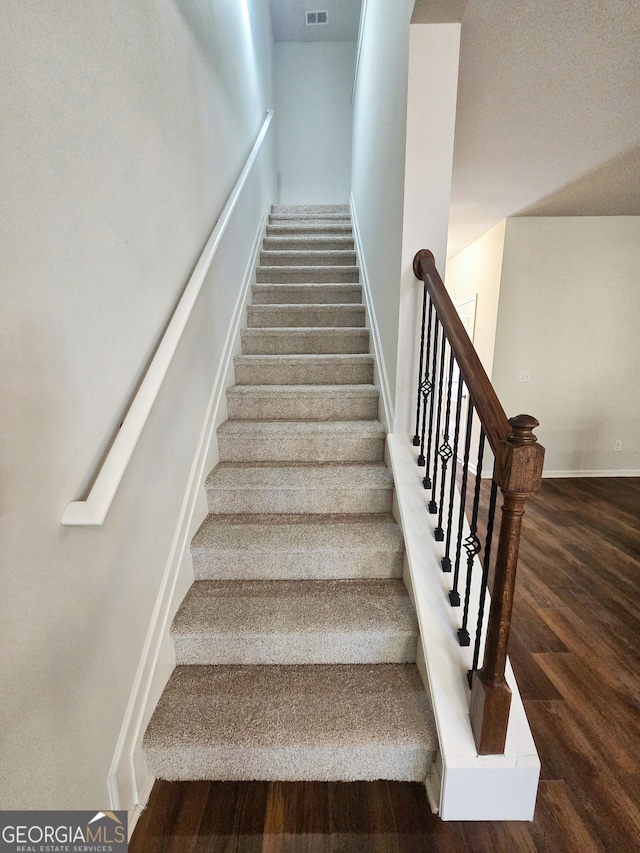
(618, 445)
(524, 376)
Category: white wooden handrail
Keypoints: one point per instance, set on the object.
(94, 509)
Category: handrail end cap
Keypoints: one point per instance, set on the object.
(427, 255)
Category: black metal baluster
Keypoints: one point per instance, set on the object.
(445, 452)
(426, 387)
(446, 560)
(433, 506)
(416, 437)
(472, 545)
(485, 577)
(454, 595)
(426, 482)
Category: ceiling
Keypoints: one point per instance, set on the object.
(288, 20)
(548, 113)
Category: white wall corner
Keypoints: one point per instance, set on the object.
(434, 51)
(129, 782)
(381, 377)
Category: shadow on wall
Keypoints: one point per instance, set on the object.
(211, 25)
(613, 189)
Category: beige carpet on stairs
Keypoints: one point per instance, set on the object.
(296, 644)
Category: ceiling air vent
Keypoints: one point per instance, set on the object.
(314, 18)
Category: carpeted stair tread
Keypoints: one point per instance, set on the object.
(300, 368)
(303, 294)
(256, 488)
(323, 273)
(302, 402)
(315, 257)
(313, 340)
(310, 242)
(297, 547)
(301, 441)
(320, 722)
(313, 217)
(295, 621)
(307, 315)
(299, 227)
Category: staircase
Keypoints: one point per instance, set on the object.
(296, 644)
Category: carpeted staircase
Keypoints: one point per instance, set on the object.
(296, 644)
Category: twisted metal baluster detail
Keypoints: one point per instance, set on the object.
(433, 506)
(454, 595)
(446, 560)
(426, 386)
(426, 482)
(445, 452)
(416, 439)
(485, 578)
(472, 546)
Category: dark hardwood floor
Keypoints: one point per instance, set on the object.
(575, 650)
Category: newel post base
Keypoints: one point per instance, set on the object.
(489, 712)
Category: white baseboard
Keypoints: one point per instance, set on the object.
(628, 472)
(129, 783)
(381, 377)
(135, 812)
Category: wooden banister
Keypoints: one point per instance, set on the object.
(518, 473)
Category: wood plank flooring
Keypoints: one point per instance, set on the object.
(575, 650)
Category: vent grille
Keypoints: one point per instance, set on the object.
(312, 19)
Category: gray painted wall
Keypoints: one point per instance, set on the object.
(313, 83)
(125, 125)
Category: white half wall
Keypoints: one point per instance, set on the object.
(313, 83)
(568, 314)
(125, 126)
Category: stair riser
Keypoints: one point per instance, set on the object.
(359, 648)
(298, 565)
(290, 764)
(307, 259)
(303, 406)
(310, 218)
(302, 274)
(301, 341)
(267, 316)
(308, 244)
(316, 448)
(304, 294)
(303, 372)
(298, 501)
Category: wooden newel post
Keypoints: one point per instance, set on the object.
(518, 473)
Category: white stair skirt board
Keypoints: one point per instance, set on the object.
(129, 782)
(462, 784)
(381, 378)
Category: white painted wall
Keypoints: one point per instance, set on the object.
(125, 126)
(477, 271)
(568, 313)
(379, 136)
(431, 111)
(313, 83)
